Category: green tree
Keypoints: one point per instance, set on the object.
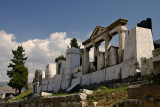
(18, 72)
(61, 57)
(74, 43)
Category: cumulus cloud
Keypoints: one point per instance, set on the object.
(40, 52)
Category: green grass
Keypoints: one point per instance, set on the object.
(21, 96)
(62, 94)
(107, 90)
(105, 96)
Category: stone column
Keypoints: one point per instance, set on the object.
(121, 33)
(96, 52)
(107, 46)
(86, 61)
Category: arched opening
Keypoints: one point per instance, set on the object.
(91, 59)
(113, 51)
(115, 40)
(101, 56)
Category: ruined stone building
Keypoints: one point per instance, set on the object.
(133, 55)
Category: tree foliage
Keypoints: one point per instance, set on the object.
(61, 57)
(18, 72)
(74, 43)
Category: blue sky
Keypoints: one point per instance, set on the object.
(31, 19)
(45, 27)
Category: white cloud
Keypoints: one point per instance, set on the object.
(40, 52)
(89, 34)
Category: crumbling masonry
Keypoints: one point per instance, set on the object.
(133, 55)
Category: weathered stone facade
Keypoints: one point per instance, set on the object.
(115, 63)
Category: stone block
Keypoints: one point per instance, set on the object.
(77, 74)
(65, 83)
(85, 91)
(133, 103)
(154, 90)
(72, 59)
(98, 76)
(39, 89)
(57, 83)
(45, 94)
(135, 91)
(134, 43)
(128, 68)
(50, 72)
(45, 85)
(78, 69)
(86, 79)
(94, 77)
(113, 72)
(3, 96)
(76, 80)
(83, 96)
(51, 84)
(60, 67)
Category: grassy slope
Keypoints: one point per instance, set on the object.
(103, 95)
(22, 96)
(108, 97)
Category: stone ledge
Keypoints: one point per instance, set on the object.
(143, 102)
(137, 91)
(60, 101)
(132, 103)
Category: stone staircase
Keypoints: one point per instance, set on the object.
(143, 95)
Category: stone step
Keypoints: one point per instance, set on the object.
(116, 85)
(141, 103)
(132, 103)
(139, 90)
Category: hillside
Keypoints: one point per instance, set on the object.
(6, 89)
(3, 84)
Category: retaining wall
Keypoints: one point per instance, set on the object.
(59, 101)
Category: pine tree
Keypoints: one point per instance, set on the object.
(61, 57)
(18, 72)
(74, 43)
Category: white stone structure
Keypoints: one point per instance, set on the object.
(139, 43)
(50, 73)
(3, 96)
(116, 63)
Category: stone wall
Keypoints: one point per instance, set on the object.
(59, 101)
(143, 96)
(117, 72)
(150, 65)
(120, 71)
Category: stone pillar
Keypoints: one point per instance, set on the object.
(121, 33)
(107, 45)
(82, 59)
(86, 61)
(96, 52)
